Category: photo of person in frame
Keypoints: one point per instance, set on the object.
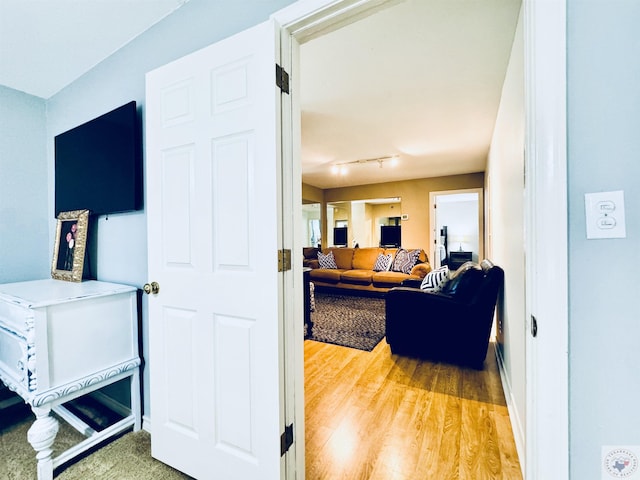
(67, 242)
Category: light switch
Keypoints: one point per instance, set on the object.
(605, 214)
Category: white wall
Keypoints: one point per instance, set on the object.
(603, 68)
(122, 250)
(505, 230)
(25, 246)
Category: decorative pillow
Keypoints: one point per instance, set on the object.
(405, 260)
(327, 261)
(435, 279)
(383, 263)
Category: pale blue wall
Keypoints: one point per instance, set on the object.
(603, 154)
(121, 239)
(24, 229)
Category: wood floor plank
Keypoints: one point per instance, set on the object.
(378, 416)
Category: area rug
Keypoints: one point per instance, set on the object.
(350, 321)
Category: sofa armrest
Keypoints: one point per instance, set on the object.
(421, 269)
(313, 264)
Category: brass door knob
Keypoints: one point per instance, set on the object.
(153, 287)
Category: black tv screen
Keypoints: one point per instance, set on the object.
(390, 235)
(340, 236)
(98, 165)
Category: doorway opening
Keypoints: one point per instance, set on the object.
(545, 190)
(479, 236)
(457, 227)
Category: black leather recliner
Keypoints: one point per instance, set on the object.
(452, 325)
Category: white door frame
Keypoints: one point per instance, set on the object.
(547, 444)
(547, 362)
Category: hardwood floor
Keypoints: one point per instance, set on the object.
(373, 415)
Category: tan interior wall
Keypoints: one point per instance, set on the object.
(414, 195)
(311, 194)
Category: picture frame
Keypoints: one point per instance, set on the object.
(70, 245)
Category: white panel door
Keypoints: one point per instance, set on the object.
(212, 202)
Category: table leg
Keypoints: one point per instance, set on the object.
(306, 285)
(136, 406)
(41, 436)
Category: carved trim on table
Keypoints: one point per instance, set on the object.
(95, 378)
(30, 323)
(14, 387)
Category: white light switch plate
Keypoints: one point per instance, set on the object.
(605, 214)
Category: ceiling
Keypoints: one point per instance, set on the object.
(420, 79)
(47, 44)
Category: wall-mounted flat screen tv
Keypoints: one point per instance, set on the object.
(390, 235)
(98, 165)
(340, 236)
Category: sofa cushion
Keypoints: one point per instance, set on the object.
(365, 258)
(388, 279)
(326, 275)
(327, 260)
(465, 281)
(359, 277)
(435, 280)
(383, 263)
(344, 257)
(405, 260)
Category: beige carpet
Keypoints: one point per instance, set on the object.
(127, 458)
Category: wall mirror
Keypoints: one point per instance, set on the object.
(312, 225)
(364, 220)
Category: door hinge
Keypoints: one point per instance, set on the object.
(284, 260)
(282, 79)
(286, 439)
(534, 327)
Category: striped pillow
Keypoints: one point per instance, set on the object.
(327, 261)
(405, 260)
(435, 279)
(383, 263)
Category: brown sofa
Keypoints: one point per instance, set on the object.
(355, 270)
(310, 257)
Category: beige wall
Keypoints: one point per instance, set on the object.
(311, 194)
(414, 195)
(505, 231)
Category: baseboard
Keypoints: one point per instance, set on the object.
(514, 415)
(146, 424)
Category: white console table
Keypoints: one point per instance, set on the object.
(62, 340)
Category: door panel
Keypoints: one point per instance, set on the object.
(212, 203)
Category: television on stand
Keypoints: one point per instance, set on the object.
(390, 236)
(340, 236)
